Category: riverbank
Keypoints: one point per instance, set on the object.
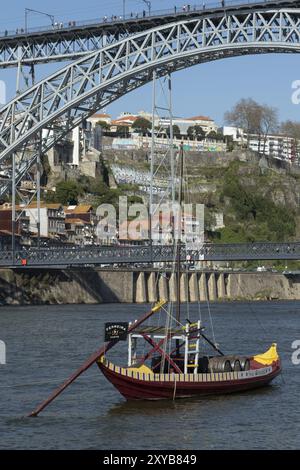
(94, 286)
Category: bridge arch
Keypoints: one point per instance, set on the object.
(63, 100)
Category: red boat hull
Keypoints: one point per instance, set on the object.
(167, 386)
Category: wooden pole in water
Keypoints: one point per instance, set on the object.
(91, 360)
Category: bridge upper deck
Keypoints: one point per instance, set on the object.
(108, 29)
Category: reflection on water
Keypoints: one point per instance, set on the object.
(143, 407)
(46, 344)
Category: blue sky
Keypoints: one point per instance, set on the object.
(208, 89)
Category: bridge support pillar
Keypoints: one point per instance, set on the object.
(221, 286)
(152, 287)
(193, 288)
(173, 287)
(233, 290)
(163, 287)
(203, 295)
(140, 290)
(212, 287)
(184, 287)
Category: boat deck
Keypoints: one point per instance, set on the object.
(172, 377)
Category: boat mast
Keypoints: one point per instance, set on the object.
(152, 160)
(180, 199)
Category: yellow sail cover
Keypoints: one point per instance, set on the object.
(268, 357)
(143, 369)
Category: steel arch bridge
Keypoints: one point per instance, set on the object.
(63, 100)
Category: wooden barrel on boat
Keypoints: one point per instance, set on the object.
(245, 363)
(235, 363)
(239, 363)
(227, 366)
(219, 364)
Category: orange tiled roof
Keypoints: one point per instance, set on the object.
(124, 119)
(33, 205)
(199, 118)
(80, 209)
(99, 115)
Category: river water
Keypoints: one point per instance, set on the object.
(45, 344)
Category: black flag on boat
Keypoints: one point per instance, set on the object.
(116, 331)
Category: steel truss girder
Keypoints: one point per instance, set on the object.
(69, 96)
(44, 46)
(56, 47)
(97, 255)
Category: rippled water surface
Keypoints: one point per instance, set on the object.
(46, 344)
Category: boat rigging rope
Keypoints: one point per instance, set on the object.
(187, 198)
(164, 345)
(211, 322)
(256, 318)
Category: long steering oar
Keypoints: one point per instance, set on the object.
(92, 359)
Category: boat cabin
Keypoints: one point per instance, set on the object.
(173, 350)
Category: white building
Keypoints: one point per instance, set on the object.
(276, 146)
(273, 145)
(127, 119)
(52, 219)
(206, 123)
(236, 133)
(104, 117)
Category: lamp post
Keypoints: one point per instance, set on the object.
(148, 3)
(29, 10)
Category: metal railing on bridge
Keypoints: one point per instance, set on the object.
(114, 19)
(145, 254)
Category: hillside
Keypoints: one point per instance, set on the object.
(259, 199)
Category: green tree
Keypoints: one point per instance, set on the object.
(122, 131)
(176, 131)
(259, 218)
(104, 125)
(196, 132)
(229, 143)
(142, 125)
(67, 192)
(212, 135)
